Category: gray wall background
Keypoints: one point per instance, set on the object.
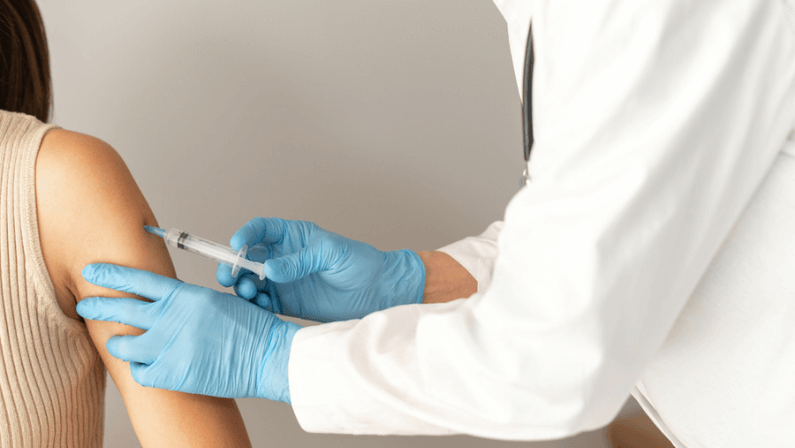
(396, 122)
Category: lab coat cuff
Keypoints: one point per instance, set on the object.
(477, 254)
(330, 396)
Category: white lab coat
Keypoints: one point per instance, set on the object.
(656, 123)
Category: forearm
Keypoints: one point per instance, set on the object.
(445, 278)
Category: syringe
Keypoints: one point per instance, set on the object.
(209, 249)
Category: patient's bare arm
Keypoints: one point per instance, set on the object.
(91, 210)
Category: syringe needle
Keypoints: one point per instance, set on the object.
(156, 230)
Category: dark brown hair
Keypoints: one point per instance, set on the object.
(25, 84)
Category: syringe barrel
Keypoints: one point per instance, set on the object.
(198, 245)
(213, 251)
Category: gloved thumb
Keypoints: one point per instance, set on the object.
(292, 267)
(140, 373)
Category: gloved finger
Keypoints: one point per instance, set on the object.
(153, 375)
(122, 310)
(246, 287)
(268, 231)
(292, 267)
(261, 231)
(132, 349)
(224, 275)
(264, 301)
(135, 281)
(259, 253)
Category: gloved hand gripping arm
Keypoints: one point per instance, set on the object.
(197, 340)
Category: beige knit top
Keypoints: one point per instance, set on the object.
(52, 381)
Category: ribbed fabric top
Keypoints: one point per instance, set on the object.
(52, 381)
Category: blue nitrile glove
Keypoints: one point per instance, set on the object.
(314, 274)
(197, 340)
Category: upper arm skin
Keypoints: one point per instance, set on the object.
(90, 210)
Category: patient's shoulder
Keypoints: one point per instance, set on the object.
(90, 210)
(79, 158)
(87, 177)
(87, 202)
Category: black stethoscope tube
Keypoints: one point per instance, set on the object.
(527, 97)
(527, 105)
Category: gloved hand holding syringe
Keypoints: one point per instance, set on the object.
(311, 272)
(209, 249)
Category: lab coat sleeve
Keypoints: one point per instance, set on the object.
(477, 254)
(655, 123)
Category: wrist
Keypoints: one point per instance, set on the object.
(401, 282)
(418, 279)
(445, 278)
(273, 378)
